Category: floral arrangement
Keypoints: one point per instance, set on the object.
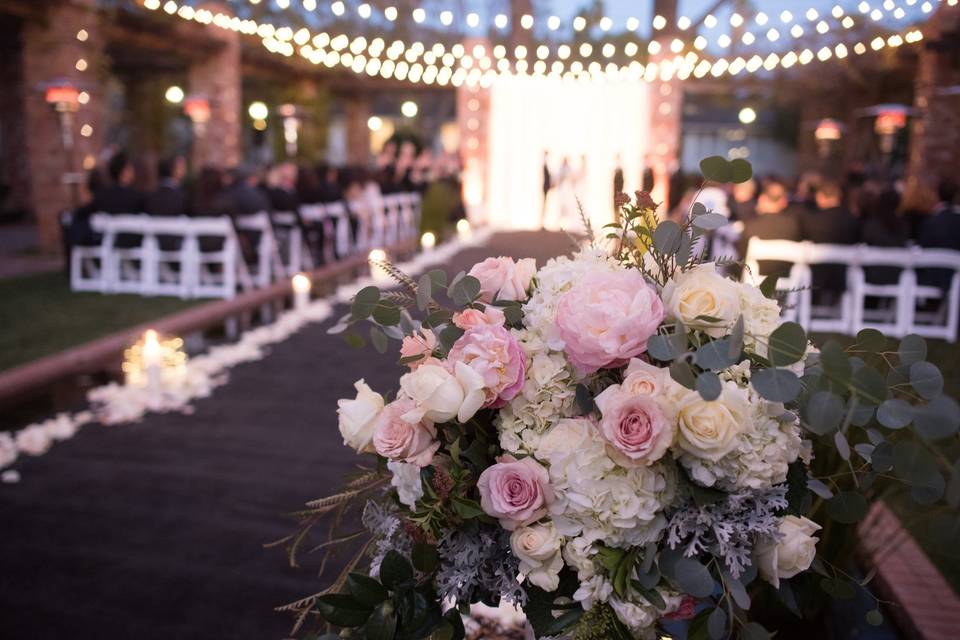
(619, 443)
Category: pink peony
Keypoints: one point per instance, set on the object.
(421, 344)
(474, 317)
(633, 426)
(494, 353)
(686, 610)
(516, 492)
(403, 441)
(503, 278)
(607, 318)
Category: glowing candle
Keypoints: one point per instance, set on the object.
(377, 271)
(301, 291)
(152, 353)
(464, 232)
(428, 241)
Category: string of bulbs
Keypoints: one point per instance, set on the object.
(457, 66)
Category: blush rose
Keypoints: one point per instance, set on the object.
(516, 492)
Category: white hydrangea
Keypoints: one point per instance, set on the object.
(547, 395)
(406, 480)
(764, 449)
(595, 498)
(640, 616)
(554, 280)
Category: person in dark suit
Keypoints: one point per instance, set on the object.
(775, 220)
(169, 198)
(743, 201)
(118, 195)
(941, 231)
(829, 222)
(244, 197)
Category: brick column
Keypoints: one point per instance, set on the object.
(666, 110)
(357, 110)
(217, 78)
(935, 139)
(66, 45)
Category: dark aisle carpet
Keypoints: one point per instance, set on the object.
(156, 529)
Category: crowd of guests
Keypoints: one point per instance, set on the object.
(246, 189)
(823, 210)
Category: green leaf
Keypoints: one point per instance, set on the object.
(835, 363)
(754, 631)
(871, 340)
(425, 557)
(882, 457)
(916, 466)
(788, 344)
(466, 508)
(912, 349)
(823, 412)
(449, 335)
(847, 507)
(366, 590)
(776, 385)
(395, 570)
(439, 278)
(937, 420)
(710, 221)
(513, 314)
(717, 624)
(584, 399)
(424, 292)
(682, 372)
(870, 385)
(693, 578)
(716, 168)
(874, 617)
(667, 347)
(819, 488)
(843, 447)
(342, 610)
(895, 413)
(709, 386)
(364, 302)
(735, 340)
(768, 286)
(354, 340)
(926, 379)
(840, 589)
(378, 339)
(715, 355)
(666, 237)
(444, 632)
(464, 291)
(740, 170)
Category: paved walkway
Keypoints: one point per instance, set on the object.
(156, 530)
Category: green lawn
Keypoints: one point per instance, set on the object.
(39, 315)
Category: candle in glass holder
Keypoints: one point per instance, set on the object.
(428, 241)
(376, 258)
(152, 354)
(464, 232)
(301, 291)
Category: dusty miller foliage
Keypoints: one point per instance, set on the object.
(477, 564)
(728, 528)
(388, 533)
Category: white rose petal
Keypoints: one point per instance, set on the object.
(358, 417)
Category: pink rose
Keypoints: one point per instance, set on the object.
(686, 610)
(633, 426)
(503, 278)
(607, 318)
(493, 352)
(516, 492)
(421, 345)
(401, 440)
(473, 317)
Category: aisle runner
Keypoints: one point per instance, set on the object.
(115, 403)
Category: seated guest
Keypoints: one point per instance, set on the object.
(917, 205)
(119, 194)
(281, 188)
(776, 219)
(308, 186)
(743, 201)
(807, 186)
(242, 196)
(330, 190)
(942, 231)
(829, 223)
(881, 227)
(207, 192)
(169, 198)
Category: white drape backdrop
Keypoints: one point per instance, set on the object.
(589, 122)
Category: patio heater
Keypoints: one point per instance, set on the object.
(291, 128)
(64, 97)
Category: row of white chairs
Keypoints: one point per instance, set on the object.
(897, 309)
(193, 257)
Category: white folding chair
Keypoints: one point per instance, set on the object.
(131, 269)
(942, 321)
(794, 283)
(173, 269)
(337, 211)
(837, 318)
(217, 271)
(892, 312)
(416, 211)
(269, 264)
(392, 217)
(88, 263)
(316, 214)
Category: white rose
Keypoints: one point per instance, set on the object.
(358, 417)
(709, 429)
(761, 316)
(538, 548)
(702, 291)
(406, 480)
(8, 450)
(642, 378)
(791, 554)
(639, 619)
(442, 396)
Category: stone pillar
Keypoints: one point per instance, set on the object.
(217, 78)
(67, 45)
(935, 139)
(357, 110)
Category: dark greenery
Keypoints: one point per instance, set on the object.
(40, 316)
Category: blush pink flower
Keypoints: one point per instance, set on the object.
(402, 441)
(474, 317)
(686, 610)
(503, 278)
(634, 427)
(516, 492)
(419, 344)
(607, 318)
(494, 353)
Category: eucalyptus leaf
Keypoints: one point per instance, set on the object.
(819, 488)
(716, 168)
(439, 279)
(682, 372)
(464, 291)
(717, 624)
(847, 507)
(835, 363)
(874, 617)
(916, 466)
(666, 237)
(843, 447)
(776, 385)
(424, 291)
(693, 578)
(787, 344)
(386, 315)
(912, 349)
(709, 386)
(882, 457)
(754, 631)
(740, 170)
(378, 339)
(871, 340)
(710, 221)
(364, 302)
(823, 412)
(869, 385)
(937, 420)
(715, 355)
(926, 379)
(895, 413)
